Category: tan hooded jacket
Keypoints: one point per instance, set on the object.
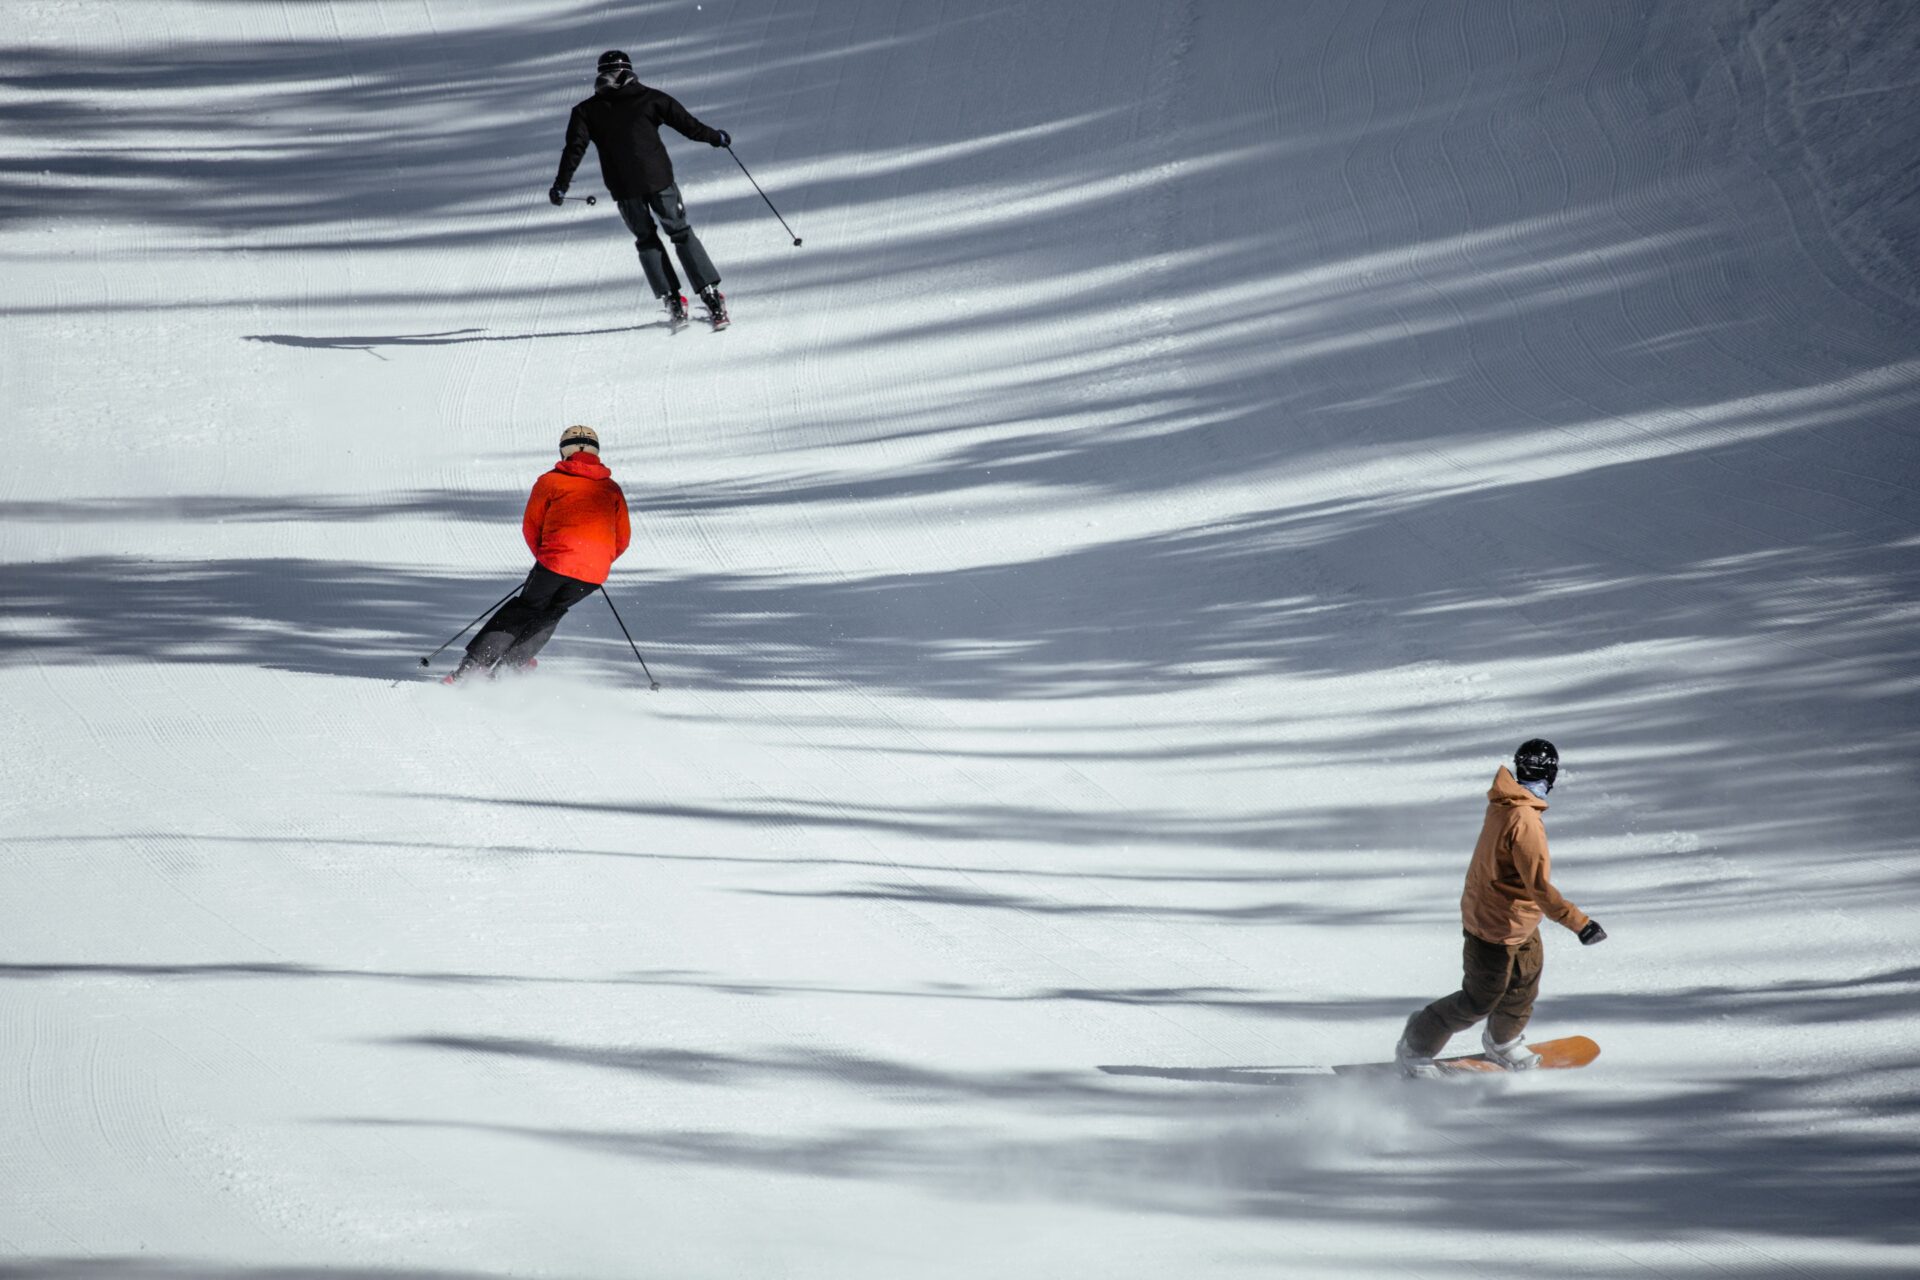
(1508, 884)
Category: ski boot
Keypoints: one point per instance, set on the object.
(676, 309)
(716, 307)
(1513, 1055)
(467, 670)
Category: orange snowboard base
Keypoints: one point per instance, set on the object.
(1557, 1055)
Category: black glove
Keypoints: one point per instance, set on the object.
(721, 138)
(1592, 933)
(556, 195)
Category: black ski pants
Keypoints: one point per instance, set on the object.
(1499, 983)
(666, 208)
(521, 627)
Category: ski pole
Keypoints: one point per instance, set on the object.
(581, 199)
(763, 195)
(428, 660)
(651, 682)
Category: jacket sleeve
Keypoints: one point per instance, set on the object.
(574, 151)
(672, 113)
(534, 522)
(1532, 864)
(622, 530)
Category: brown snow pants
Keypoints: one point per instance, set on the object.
(1500, 982)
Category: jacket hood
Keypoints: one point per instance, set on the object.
(620, 82)
(1504, 789)
(587, 466)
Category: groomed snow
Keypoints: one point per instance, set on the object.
(1093, 583)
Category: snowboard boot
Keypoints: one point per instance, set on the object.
(1513, 1055)
(676, 308)
(1413, 1065)
(716, 306)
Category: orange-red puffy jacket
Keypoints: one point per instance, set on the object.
(576, 521)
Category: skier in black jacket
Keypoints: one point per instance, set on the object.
(622, 119)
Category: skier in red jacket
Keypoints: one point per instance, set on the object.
(576, 526)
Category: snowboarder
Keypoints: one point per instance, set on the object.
(1508, 891)
(622, 119)
(576, 526)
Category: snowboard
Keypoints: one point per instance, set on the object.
(1555, 1055)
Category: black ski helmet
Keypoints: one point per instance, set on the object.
(1536, 760)
(614, 58)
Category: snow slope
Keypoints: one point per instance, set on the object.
(1093, 582)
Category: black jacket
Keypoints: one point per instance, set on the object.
(623, 123)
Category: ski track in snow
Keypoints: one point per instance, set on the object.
(1093, 581)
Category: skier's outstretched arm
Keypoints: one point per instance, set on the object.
(1531, 863)
(622, 528)
(573, 152)
(672, 113)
